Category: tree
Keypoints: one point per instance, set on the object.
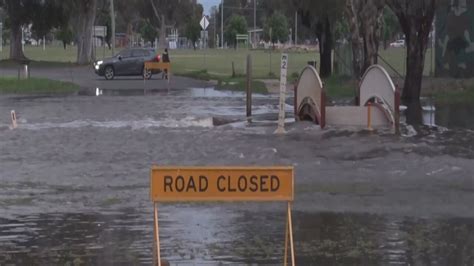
(148, 32)
(415, 18)
(168, 13)
(391, 27)
(65, 35)
(236, 25)
(320, 16)
(19, 14)
(86, 19)
(276, 28)
(365, 20)
(193, 31)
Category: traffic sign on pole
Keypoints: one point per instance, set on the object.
(204, 23)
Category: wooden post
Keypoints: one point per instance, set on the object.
(157, 234)
(285, 262)
(290, 228)
(249, 87)
(13, 115)
(233, 69)
(322, 123)
(369, 117)
(397, 110)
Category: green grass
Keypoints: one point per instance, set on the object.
(216, 64)
(396, 57)
(219, 62)
(35, 85)
(36, 64)
(340, 87)
(53, 53)
(240, 84)
(456, 96)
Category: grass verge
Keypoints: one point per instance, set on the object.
(237, 83)
(455, 96)
(36, 64)
(340, 87)
(35, 85)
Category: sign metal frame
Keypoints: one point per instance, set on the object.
(287, 172)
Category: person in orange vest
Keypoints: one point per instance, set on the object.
(166, 59)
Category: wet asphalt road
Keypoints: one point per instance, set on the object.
(85, 77)
(75, 178)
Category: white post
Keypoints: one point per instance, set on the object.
(44, 43)
(281, 115)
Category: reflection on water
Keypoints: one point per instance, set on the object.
(451, 116)
(455, 115)
(200, 237)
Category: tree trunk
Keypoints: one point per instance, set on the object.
(356, 39)
(163, 33)
(370, 47)
(415, 61)
(325, 48)
(87, 11)
(16, 49)
(364, 21)
(416, 18)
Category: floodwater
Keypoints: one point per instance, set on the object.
(74, 183)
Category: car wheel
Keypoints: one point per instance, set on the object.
(109, 73)
(147, 73)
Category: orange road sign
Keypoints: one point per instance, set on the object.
(173, 184)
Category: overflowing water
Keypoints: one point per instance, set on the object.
(74, 183)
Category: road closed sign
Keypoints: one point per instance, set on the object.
(170, 184)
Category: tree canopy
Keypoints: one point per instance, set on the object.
(276, 28)
(236, 25)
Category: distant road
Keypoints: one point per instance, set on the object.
(85, 77)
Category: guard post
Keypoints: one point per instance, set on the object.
(223, 184)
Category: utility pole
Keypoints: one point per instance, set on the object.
(215, 26)
(254, 22)
(296, 28)
(112, 18)
(222, 24)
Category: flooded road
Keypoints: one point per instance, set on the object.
(75, 173)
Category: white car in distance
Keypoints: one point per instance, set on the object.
(398, 44)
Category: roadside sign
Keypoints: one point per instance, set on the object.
(283, 73)
(204, 23)
(229, 184)
(100, 31)
(171, 184)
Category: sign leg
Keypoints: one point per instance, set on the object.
(157, 234)
(290, 228)
(285, 262)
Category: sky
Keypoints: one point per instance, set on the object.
(207, 4)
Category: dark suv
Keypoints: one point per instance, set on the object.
(129, 62)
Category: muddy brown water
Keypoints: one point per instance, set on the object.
(74, 184)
